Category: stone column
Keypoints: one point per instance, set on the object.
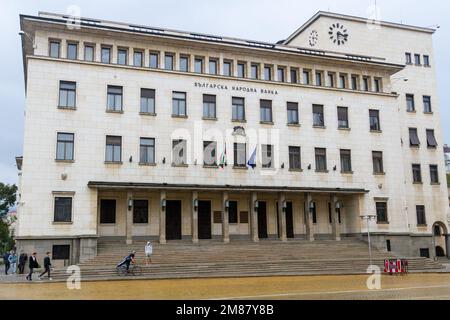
(129, 219)
(162, 218)
(191, 66)
(194, 218)
(282, 217)
(254, 217)
(309, 220)
(225, 223)
(336, 232)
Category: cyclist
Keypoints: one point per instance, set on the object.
(127, 260)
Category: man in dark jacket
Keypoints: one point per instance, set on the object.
(47, 266)
(22, 261)
(6, 262)
(32, 265)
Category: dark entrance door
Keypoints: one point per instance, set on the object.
(173, 219)
(204, 220)
(289, 220)
(262, 220)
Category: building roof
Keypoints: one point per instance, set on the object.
(356, 19)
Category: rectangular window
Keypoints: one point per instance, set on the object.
(72, 51)
(266, 110)
(55, 49)
(184, 63)
(426, 61)
(292, 113)
(138, 58)
(179, 152)
(280, 74)
(342, 117)
(106, 55)
(321, 159)
(318, 79)
(209, 106)
(355, 82)
(147, 101)
(63, 209)
(330, 80)
(147, 151)
(241, 70)
(408, 58)
(209, 153)
(346, 161)
(64, 146)
(168, 61)
(267, 73)
(198, 65)
(115, 95)
(427, 104)
(179, 104)
(61, 252)
(140, 211)
(413, 138)
(113, 149)
(254, 71)
(318, 116)
(89, 53)
(295, 158)
(67, 94)
(306, 78)
(421, 218)
(122, 56)
(267, 155)
(232, 212)
(238, 109)
(382, 214)
(294, 75)
(154, 57)
(107, 211)
(342, 82)
(365, 84)
(431, 139)
(374, 117)
(417, 59)
(434, 174)
(410, 105)
(212, 66)
(227, 69)
(377, 83)
(417, 173)
(240, 157)
(377, 159)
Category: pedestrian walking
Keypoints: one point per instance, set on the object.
(47, 267)
(6, 262)
(148, 252)
(22, 261)
(13, 262)
(32, 265)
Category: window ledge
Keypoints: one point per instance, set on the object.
(179, 116)
(150, 114)
(435, 183)
(295, 170)
(67, 108)
(240, 168)
(62, 223)
(383, 222)
(345, 129)
(347, 172)
(147, 164)
(322, 171)
(64, 161)
(114, 162)
(432, 148)
(428, 112)
(417, 147)
(422, 225)
(376, 131)
(267, 122)
(294, 125)
(114, 111)
(209, 119)
(379, 173)
(319, 127)
(180, 165)
(427, 66)
(418, 183)
(210, 166)
(411, 111)
(239, 121)
(139, 223)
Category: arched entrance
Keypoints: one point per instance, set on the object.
(440, 239)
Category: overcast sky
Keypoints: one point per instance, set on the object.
(265, 20)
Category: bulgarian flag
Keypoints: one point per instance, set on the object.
(223, 158)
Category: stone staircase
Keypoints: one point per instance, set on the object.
(181, 259)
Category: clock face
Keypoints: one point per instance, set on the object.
(313, 38)
(338, 34)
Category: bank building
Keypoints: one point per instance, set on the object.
(136, 133)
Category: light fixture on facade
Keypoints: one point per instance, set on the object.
(227, 205)
(338, 205)
(164, 160)
(130, 204)
(312, 205)
(256, 205)
(163, 204)
(284, 206)
(195, 204)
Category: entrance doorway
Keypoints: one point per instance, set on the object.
(440, 239)
(173, 220)
(289, 221)
(262, 220)
(204, 220)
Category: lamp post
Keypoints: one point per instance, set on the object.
(368, 218)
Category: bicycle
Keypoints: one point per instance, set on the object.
(135, 270)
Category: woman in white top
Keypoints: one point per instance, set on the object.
(148, 252)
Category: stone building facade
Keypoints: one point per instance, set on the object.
(135, 132)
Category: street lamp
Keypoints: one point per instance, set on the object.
(368, 218)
